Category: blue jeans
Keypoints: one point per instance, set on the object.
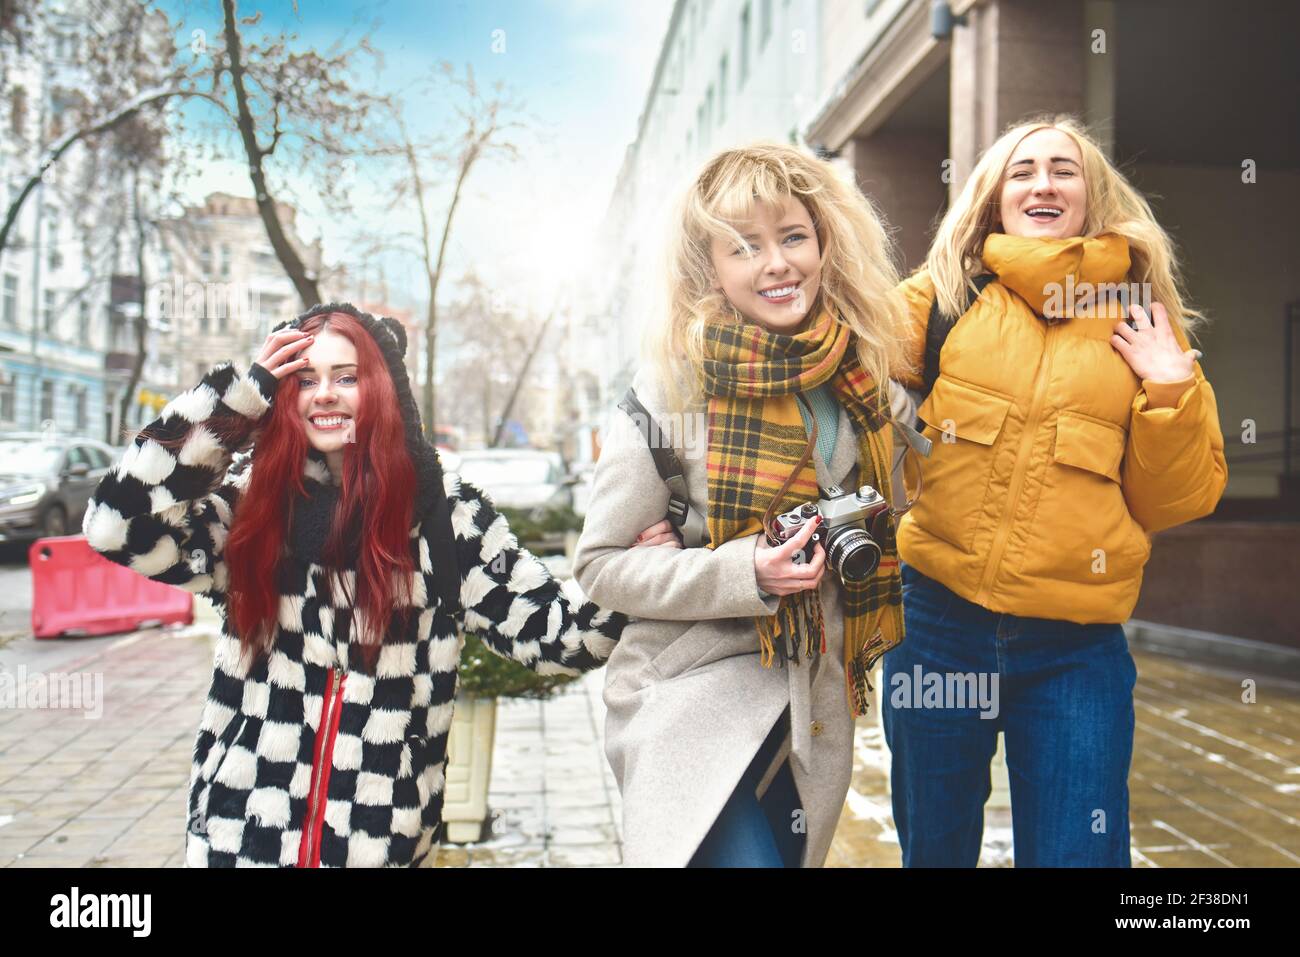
(1061, 694)
(757, 833)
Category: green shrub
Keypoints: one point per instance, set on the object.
(485, 674)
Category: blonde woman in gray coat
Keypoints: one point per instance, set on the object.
(733, 694)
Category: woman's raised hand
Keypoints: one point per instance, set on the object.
(660, 533)
(279, 355)
(1151, 349)
(777, 574)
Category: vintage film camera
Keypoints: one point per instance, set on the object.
(852, 523)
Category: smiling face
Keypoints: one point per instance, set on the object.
(1043, 191)
(774, 280)
(328, 397)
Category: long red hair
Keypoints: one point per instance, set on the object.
(376, 501)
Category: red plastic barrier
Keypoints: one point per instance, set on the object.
(76, 589)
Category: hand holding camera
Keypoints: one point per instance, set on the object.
(781, 569)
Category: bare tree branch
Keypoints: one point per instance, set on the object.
(112, 120)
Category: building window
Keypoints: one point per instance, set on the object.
(116, 332)
(18, 112)
(10, 308)
(83, 323)
(722, 91)
(764, 23)
(744, 47)
(78, 395)
(47, 400)
(225, 261)
(53, 257)
(205, 260)
(8, 398)
(47, 313)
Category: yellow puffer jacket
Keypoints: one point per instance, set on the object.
(1049, 472)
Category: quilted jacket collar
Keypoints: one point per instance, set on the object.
(1041, 269)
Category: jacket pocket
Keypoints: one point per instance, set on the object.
(1082, 531)
(963, 423)
(681, 654)
(703, 643)
(1089, 445)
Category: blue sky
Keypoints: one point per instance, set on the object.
(579, 68)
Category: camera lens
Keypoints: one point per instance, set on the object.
(852, 553)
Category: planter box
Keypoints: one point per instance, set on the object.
(469, 769)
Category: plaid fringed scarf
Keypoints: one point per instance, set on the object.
(756, 439)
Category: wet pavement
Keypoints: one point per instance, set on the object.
(1215, 780)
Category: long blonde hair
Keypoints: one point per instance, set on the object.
(858, 276)
(1114, 206)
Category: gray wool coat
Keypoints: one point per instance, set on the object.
(688, 702)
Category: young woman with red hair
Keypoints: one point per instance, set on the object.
(303, 499)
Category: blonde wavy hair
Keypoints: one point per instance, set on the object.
(1114, 206)
(858, 275)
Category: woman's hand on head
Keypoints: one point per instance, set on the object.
(1151, 350)
(280, 353)
(660, 533)
(775, 570)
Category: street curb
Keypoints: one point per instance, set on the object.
(1190, 644)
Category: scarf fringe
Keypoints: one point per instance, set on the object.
(799, 619)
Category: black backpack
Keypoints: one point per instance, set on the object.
(939, 325)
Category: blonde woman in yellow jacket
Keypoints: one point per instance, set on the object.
(1070, 421)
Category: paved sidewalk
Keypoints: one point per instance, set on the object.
(107, 792)
(553, 797)
(1214, 782)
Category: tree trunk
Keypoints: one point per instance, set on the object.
(519, 380)
(142, 320)
(284, 251)
(435, 277)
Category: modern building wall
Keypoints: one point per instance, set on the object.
(729, 72)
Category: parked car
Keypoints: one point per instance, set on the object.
(530, 480)
(45, 483)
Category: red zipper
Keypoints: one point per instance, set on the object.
(328, 728)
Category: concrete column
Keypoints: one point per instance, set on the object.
(1012, 59)
(902, 173)
(1099, 71)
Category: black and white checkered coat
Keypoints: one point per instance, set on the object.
(167, 515)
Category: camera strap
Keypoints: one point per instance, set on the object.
(769, 516)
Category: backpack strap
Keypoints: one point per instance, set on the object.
(939, 326)
(688, 523)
